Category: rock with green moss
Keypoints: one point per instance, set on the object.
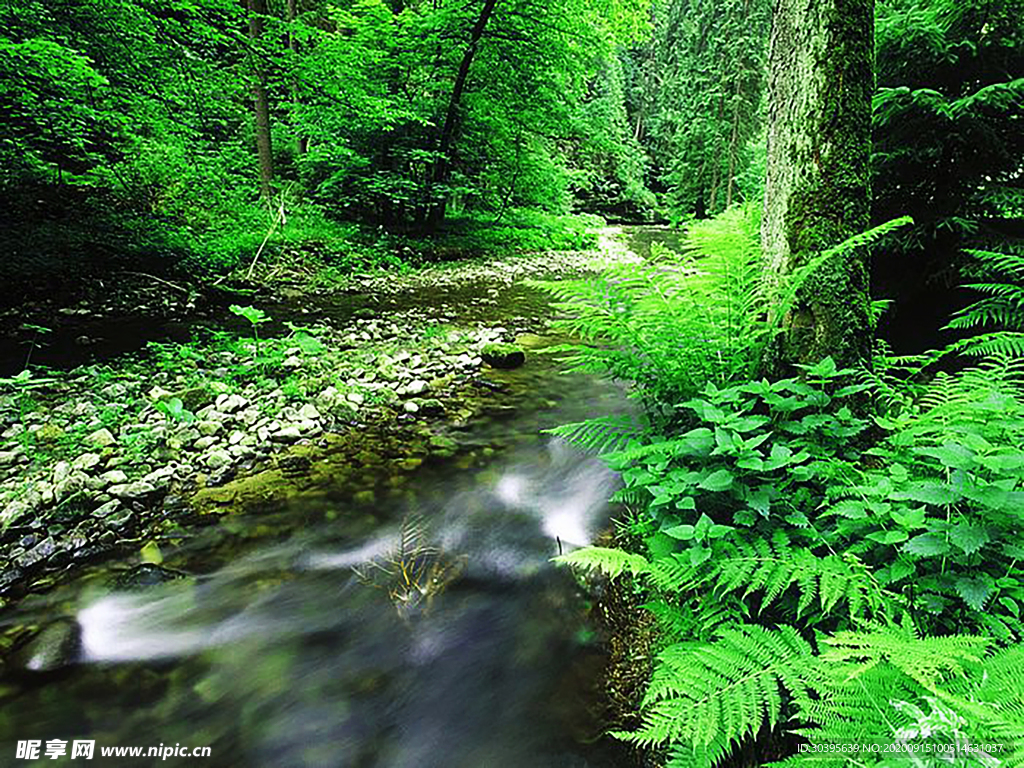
(501, 355)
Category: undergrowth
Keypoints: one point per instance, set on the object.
(833, 558)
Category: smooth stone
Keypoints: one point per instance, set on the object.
(308, 412)
(288, 433)
(210, 427)
(410, 407)
(230, 403)
(500, 355)
(137, 490)
(107, 509)
(58, 645)
(86, 461)
(205, 442)
(104, 438)
(114, 477)
(217, 459)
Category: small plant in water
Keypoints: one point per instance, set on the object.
(255, 317)
(35, 341)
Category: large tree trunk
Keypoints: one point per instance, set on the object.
(817, 192)
(257, 10)
(441, 167)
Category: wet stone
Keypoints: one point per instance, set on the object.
(144, 576)
(58, 645)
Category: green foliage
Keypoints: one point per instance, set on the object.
(174, 409)
(677, 323)
(695, 96)
(1002, 308)
(706, 698)
(846, 551)
(947, 146)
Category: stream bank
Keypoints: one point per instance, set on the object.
(264, 605)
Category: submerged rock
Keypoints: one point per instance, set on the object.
(58, 645)
(500, 355)
(143, 576)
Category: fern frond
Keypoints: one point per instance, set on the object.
(609, 561)
(770, 569)
(705, 697)
(601, 434)
(925, 660)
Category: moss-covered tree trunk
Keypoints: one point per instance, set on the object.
(817, 189)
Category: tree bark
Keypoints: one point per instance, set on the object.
(261, 103)
(301, 142)
(817, 188)
(442, 165)
(733, 145)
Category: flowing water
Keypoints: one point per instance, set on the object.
(431, 631)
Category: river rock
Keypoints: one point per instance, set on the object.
(103, 438)
(231, 403)
(61, 471)
(289, 433)
(114, 477)
(37, 554)
(158, 393)
(500, 355)
(308, 412)
(144, 576)
(355, 398)
(107, 509)
(8, 458)
(193, 398)
(249, 416)
(86, 461)
(416, 387)
(218, 458)
(204, 442)
(411, 406)
(210, 427)
(140, 489)
(74, 483)
(58, 645)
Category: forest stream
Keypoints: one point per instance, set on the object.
(416, 621)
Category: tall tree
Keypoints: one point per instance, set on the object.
(261, 102)
(439, 172)
(817, 188)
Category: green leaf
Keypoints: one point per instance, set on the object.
(681, 532)
(719, 480)
(969, 537)
(150, 553)
(699, 555)
(951, 455)
(853, 509)
(927, 545)
(1011, 605)
(718, 531)
(909, 518)
(974, 591)
(889, 537)
(927, 492)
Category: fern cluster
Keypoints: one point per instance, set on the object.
(822, 575)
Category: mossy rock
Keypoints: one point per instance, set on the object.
(500, 355)
(194, 398)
